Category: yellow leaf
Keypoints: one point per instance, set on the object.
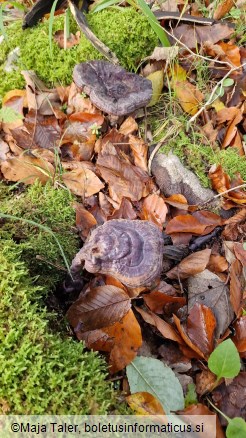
(157, 79)
(144, 403)
(218, 105)
(188, 95)
(177, 73)
(15, 93)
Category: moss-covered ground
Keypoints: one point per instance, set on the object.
(41, 372)
(123, 30)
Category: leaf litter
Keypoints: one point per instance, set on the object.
(198, 303)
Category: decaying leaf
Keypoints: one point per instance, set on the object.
(144, 403)
(156, 300)
(198, 353)
(201, 325)
(164, 328)
(208, 289)
(236, 286)
(191, 265)
(85, 221)
(122, 340)
(82, 182)
(221, 183)
(189, 96)
(100, 307)
(157, 80)
(27, 168)
(154, 210)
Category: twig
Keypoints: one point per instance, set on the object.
(210, 100)
(169, 133)
(197, 54)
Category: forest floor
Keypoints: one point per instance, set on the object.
(156, 133)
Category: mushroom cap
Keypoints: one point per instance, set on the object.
(111, 88)
(131, 251)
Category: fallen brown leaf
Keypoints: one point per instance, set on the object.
(140, 151)
(162, 326)
(217, 263)
(186, 338)
(189, 96)
(99, 307)
(82, 182)
(222, 9)
(185, 224)
(154, 210)
(191, 265)
(239, 338)
(201, 325)
(129, 126)
(236, 286)
(27, 169)
(72, 40)
(156, 300)
(85, 221)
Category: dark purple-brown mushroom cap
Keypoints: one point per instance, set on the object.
(111, 88)
(131, 251)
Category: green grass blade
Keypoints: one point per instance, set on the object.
(154, 23)
(2, 29)
(44, 228)
(103, 5)
(51, 21)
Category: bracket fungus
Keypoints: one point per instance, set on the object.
(131, 251)
(111, 88)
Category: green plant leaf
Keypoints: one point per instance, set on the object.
(9, 115)
(154, 23)
(244, 246)
(227, 82)
(146, 374)
(51, 20)
(225, 360)
(103, 5)
(236, 428)
(191, 396)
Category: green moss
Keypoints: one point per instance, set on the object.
(123, 30)
(53, 209)
(41, 372)
(199, 157)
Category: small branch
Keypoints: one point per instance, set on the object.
(211, 98)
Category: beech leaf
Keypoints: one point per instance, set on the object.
(100, 307)
(146, 374)
(225, 360)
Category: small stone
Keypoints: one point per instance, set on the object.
(173, 178)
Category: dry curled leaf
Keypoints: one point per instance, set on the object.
(162, 326)
(85, 221)
(156, 300)
(222, 9)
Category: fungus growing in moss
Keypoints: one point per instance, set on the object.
(111, 88)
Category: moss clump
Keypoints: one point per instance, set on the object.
(52, 208)
(41, 372)
(123, 30)
(199, 157)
